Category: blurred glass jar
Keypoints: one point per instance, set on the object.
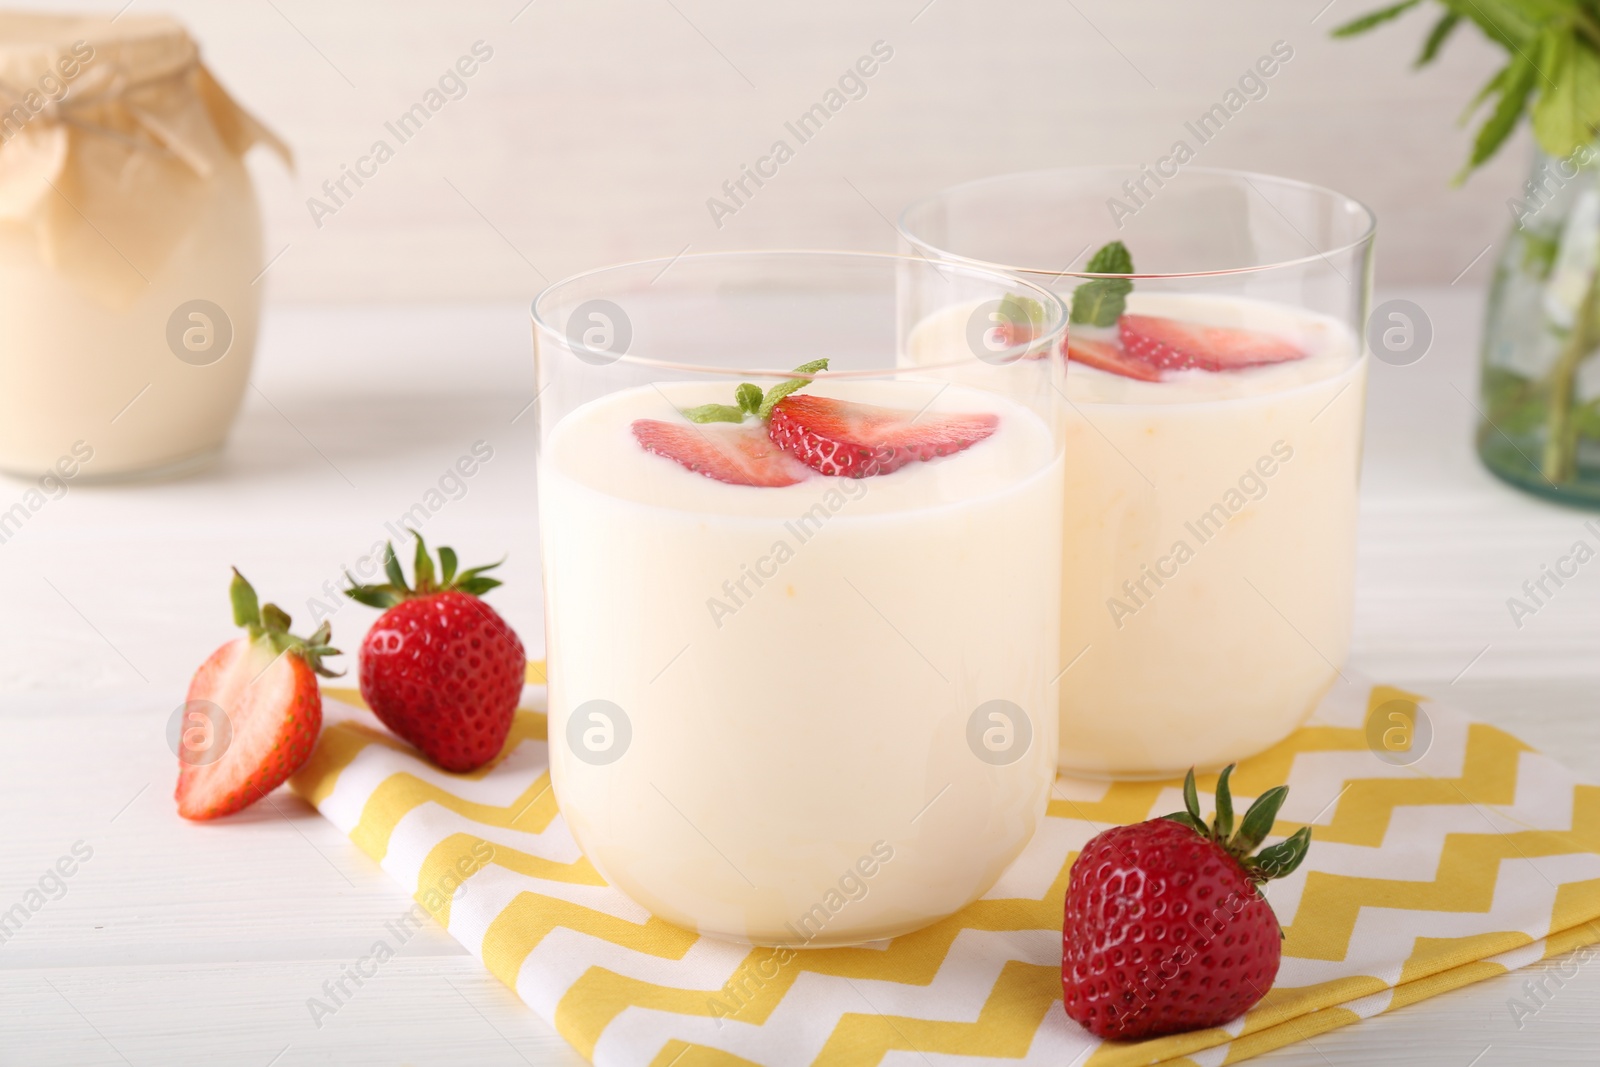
(1539, 425)
(130, 242)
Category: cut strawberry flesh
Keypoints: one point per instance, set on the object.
(738, 455)
(1168, 344)
(273, 714)
(1109, 356)
(843, 439)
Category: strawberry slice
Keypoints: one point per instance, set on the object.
(1109, 356)
(738, 455)
(1170, 344)
(836, 437)
(253, 712)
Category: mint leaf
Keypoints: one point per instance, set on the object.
(1016, 311)
(714, 413)
(1113, 258)
(748, 397)
(784, 388)
(1099, 302)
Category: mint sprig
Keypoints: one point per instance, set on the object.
(1100, 301)
(1552, 70)
(750, 400)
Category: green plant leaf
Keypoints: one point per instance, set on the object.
(714, 413)
(447, 565)
(784, 388)
(1112, 258)
(1373, 19)
(1515, 83)
(422, 566)
(1100, 301)
(1017, 311)
(748, 397)
(1258, 820)
(246, 608)
(1565, 115)
(274, 619)
(1224, 819)
(1190, 821)
(1512, 24)
(1281, 859)
(391, 567)
(1436, 38)
(1191, 799)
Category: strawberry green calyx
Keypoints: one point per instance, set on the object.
(750, 400)
(428, 581)
(268, 626)
(1274, 862)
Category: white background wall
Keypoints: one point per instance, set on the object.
(598, 129)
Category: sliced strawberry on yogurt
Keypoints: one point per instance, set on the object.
(1168, 344)
(1109, 356)
(848, 440)
(738, 455)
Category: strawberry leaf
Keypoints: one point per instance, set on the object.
(1224, 821)
(1190, 821)
(1258, 821)
(1191, 798)
(447, 565)
(1281, 859)
(246, 608)
(391, 567)
(274, 620)
(422, 566)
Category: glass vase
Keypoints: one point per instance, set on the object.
(1540, 425)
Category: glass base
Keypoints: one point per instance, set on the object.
(1513, 463)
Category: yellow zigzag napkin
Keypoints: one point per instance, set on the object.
(1458, 854)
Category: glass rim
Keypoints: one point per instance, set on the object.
(1249, 177)
(1046, 339)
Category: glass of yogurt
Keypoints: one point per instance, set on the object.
(802, 598)
(1215, 391)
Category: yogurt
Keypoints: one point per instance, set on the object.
(1209, 543)
(815, 714)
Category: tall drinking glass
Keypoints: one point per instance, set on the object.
(1216, 390)
(801, 624)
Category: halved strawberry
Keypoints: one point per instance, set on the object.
(1109, 356)
(253, 712)
(844, 439)
(1170, 344)
(738, 455)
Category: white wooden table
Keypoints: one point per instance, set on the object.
(181, 944)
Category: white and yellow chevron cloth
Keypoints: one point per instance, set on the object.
(1444, 851)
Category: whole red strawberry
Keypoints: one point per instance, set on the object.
(253, 712)
(1165, 927)
(440, 667)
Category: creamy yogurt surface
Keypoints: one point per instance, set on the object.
(797, 686)
(1208, 541)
